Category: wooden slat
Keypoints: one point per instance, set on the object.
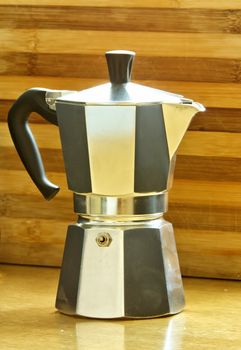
(210, 94)
(30, 254)
(211, 144)
(206, 193)
(200, 216)
(42, 231)
(33, 230)
(19, 182)
(32, 241)
(11, 205)
(216, 4)
(94, 66)
(217, 119)
(121, 19)
(47, 136)
(208, 168)
(203, 217)
(183, 191)
(13, 86)
(187, 167)
(212, 45)
(18, 63)
(5, 106)
(196, 209)
(199, 241)
(215, 95)
(41, 242)
(214, 119)
(209, 253)
(194, 143)
(52, 159)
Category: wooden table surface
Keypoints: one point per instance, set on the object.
(28, 320)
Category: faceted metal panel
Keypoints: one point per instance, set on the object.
(101, 289)
(67, 294)
(72, 126)
(145, 283)
(172, 270)
(171, 171)
(151, 150)
(111, 145)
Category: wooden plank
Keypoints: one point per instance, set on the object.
(217, 119)
(216, 4)
(212, 45)
(5, 106)
(210, 267)
(94, 66)
(15, 64)
(156, 44)
(13, 86)
(11, 205)
(186, 215)
(213, 95)
(199, 241)
(19, 182)
(32, 241)
(187, 191)
(216, 95)
(209, 253)
(201, 253)
(209, 193)
(22, 235)
(214, 119)
(47, 136)
(194, 143)
(208, 168)
(204, 217)
(121, 19)
(24, 40)
(30, 254)
(52, 159)
(33, 230)
(211, 144)
(202, 168)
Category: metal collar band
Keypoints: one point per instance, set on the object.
(113, 206)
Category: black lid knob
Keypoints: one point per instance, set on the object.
(119, 65)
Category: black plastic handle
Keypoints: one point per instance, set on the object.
(32, 100)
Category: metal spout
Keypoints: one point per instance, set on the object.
(177, 118)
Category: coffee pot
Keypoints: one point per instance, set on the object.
(119, 143)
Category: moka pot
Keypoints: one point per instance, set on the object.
(119, 144)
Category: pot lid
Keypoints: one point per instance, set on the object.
(120, 91)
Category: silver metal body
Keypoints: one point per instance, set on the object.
(119, 144)
(119, 156)
(116, 275)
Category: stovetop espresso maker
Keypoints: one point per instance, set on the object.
(119, 143)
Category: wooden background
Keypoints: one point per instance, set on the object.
(191, 47)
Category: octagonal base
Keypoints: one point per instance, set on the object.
(120, 271)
